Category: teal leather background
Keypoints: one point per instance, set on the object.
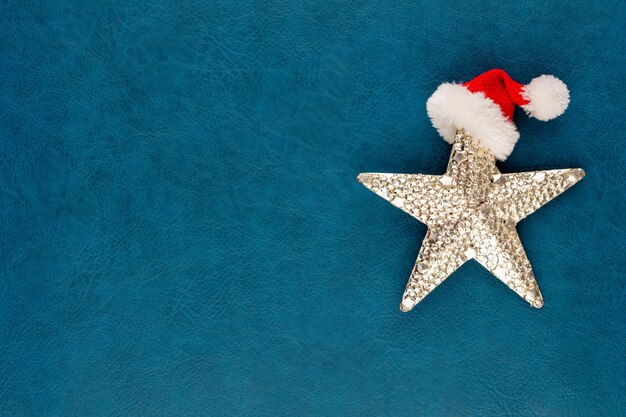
(182, 232)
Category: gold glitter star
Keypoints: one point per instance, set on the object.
(471, 212)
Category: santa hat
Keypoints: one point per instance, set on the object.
(484, 107)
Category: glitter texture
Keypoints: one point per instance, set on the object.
(471, 212)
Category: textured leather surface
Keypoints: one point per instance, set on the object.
(183, 233)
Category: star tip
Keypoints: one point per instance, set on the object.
(407, 305)
(364, 178)
(537, 304)
(581, 173)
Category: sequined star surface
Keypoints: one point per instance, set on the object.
(471, 212)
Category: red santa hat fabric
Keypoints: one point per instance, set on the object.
(484, 107)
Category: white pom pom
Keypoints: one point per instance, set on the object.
(548, 97)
